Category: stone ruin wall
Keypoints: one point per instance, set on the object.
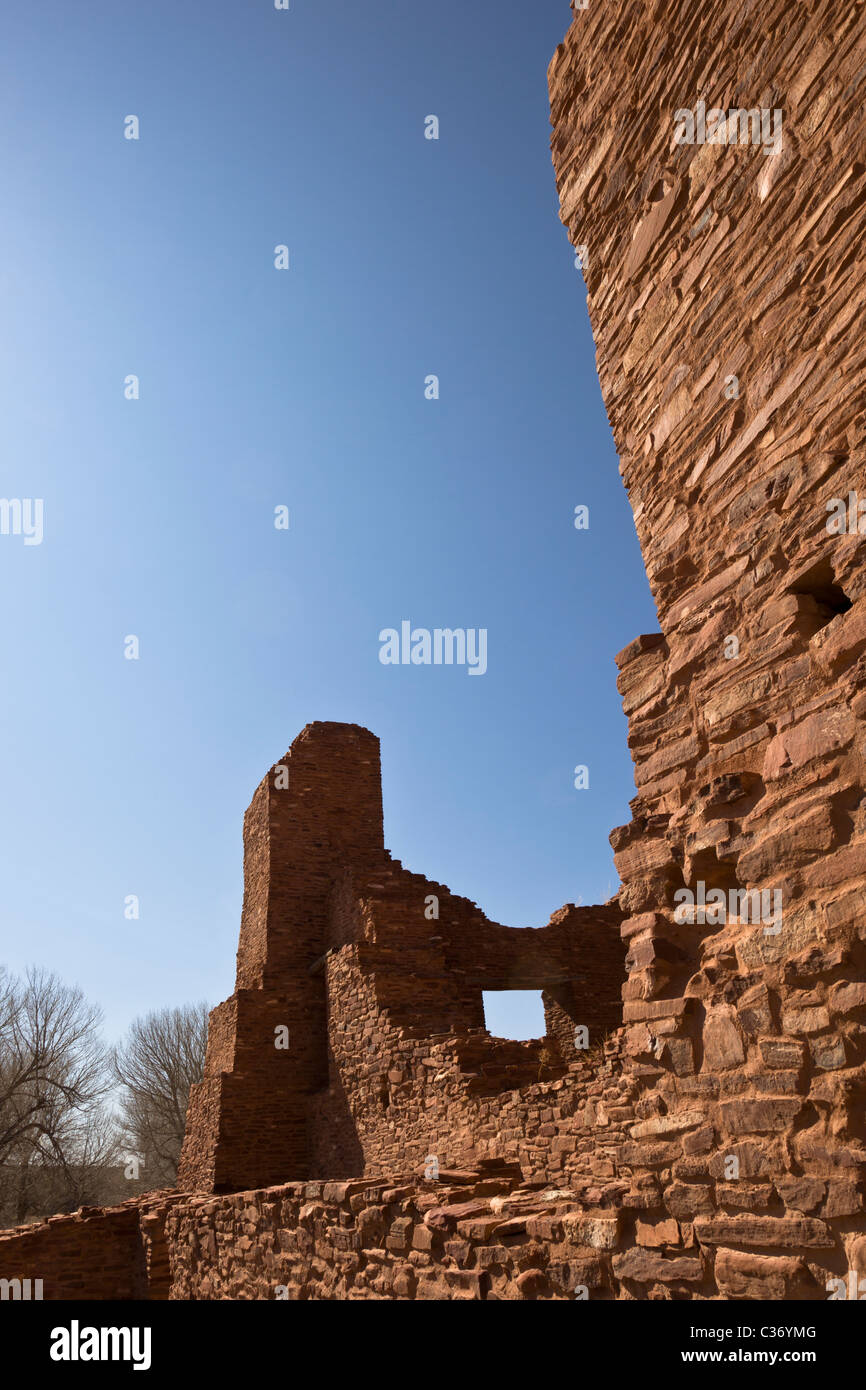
(388, 1061)
(724, 290)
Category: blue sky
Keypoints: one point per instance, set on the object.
(302, 388)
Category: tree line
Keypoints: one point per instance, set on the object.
(83, 1123)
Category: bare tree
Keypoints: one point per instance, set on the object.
(73, 1161)
(56, 1138)
(161, 1057)
(52, 1058)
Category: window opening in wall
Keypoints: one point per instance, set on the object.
(514, 1013)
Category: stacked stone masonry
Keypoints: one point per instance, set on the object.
(725, 289)
(711, 1140)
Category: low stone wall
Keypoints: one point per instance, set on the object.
(95, 1253)
(477, 1236)
(391, 1239)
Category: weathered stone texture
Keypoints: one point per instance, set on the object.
(725, 290)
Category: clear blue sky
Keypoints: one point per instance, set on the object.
(304, 387)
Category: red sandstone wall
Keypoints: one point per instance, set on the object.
(714, 266)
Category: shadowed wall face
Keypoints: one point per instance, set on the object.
(322, 805)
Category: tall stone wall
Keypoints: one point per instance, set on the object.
(725, 289)
(319, 808)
